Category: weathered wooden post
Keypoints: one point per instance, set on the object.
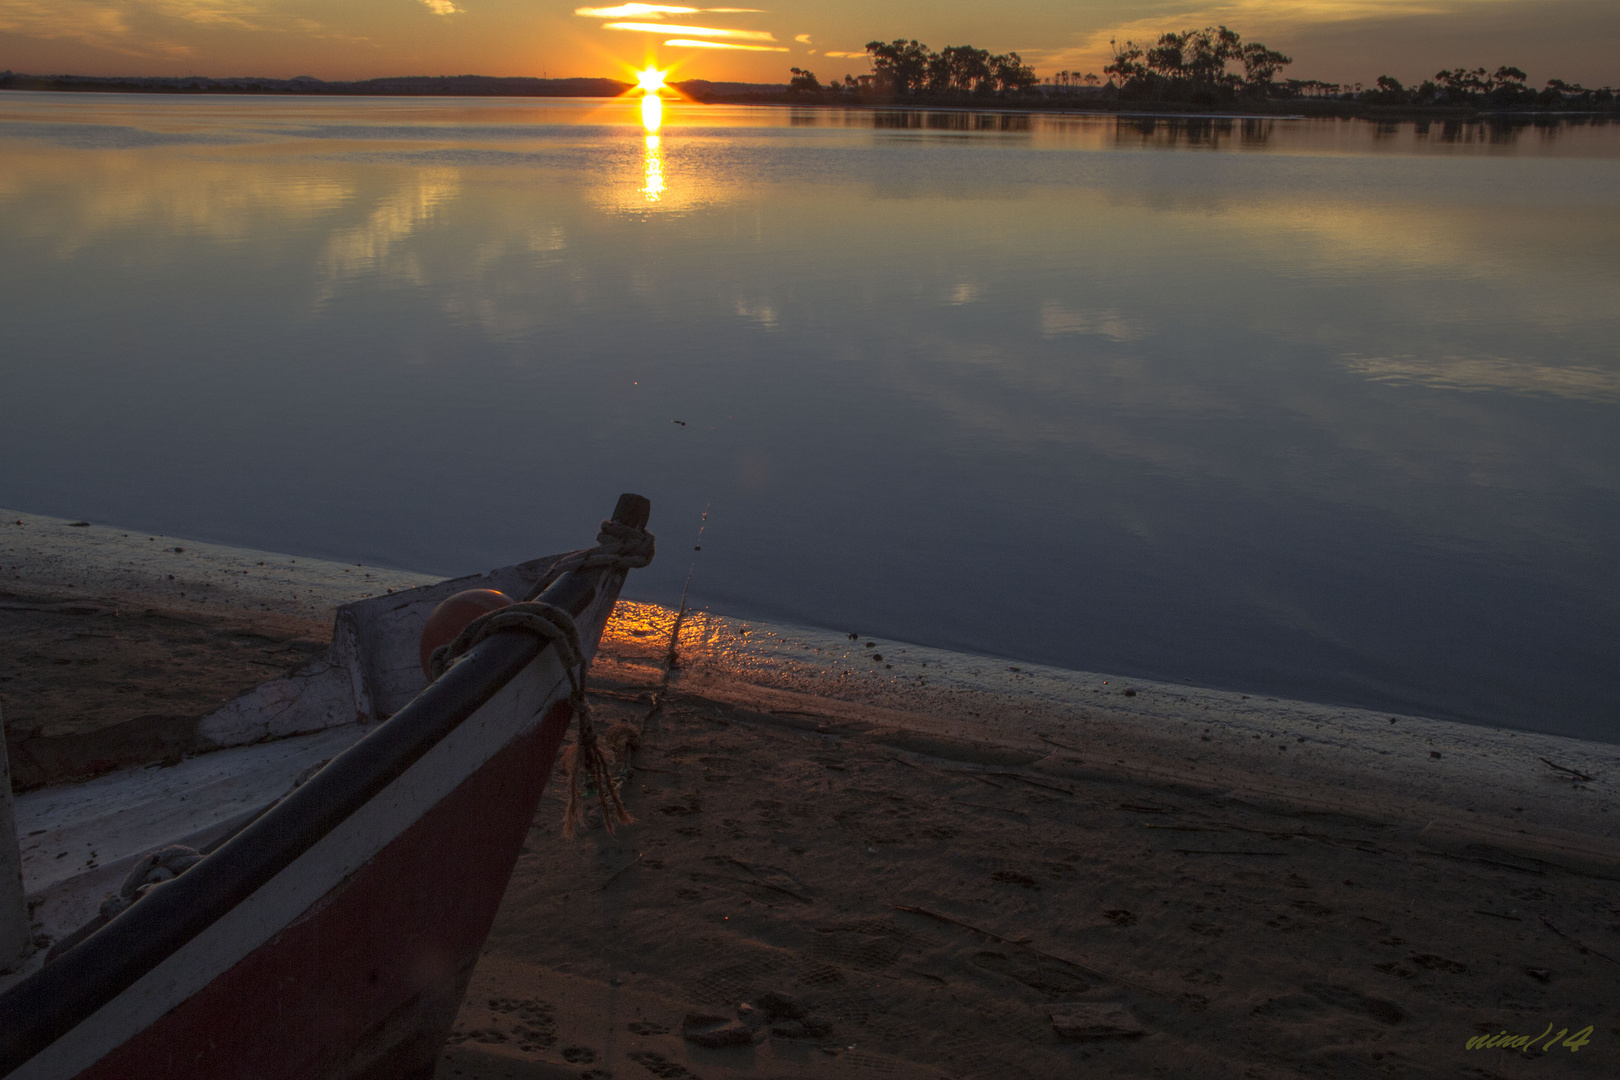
(15, 937)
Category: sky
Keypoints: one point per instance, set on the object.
(1333, 40)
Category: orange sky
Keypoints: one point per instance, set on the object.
(1338, 40)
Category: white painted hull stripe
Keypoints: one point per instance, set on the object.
(516, 709)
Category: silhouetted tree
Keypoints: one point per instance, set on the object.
(1207, 53)
(1260, 67)
(900, 66)
(908, 67)
(1192, 65)
(1389, 92)
(803, 80)
(1128, 63)
(1012, 74)
(960, 67)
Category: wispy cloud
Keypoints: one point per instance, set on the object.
(442, 7)
(1255, 19)
(657, 11)
(233, 13)
(1261, 16)
(92, 24)
(630, 11)
(686, 43)
(802, 39)
(694, 31)
(844, 55)
(147, 28)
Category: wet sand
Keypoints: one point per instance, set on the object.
(113, 644)
(981, 872)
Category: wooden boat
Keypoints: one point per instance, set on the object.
(328, 931)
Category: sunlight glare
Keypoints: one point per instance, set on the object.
(653, 188)
(649, 80)
(652, 112)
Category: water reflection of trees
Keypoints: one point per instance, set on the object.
(912, 119)
(950, 120)
(1203, 132)
(1505, 130)
(1215, 132)
(1193, 131)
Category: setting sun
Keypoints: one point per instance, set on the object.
(649, 80)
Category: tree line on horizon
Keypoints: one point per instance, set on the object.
(1193, 66)
(907, 68)
(1209, 66)
(1505, 88)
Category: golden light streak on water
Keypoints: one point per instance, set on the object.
(653, 188)
(652, 118)
(652, 112)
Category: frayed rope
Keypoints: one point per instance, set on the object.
(619, 546)
(585, 756)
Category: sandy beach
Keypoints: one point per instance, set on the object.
(867, 858)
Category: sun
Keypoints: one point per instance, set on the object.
(650, 80)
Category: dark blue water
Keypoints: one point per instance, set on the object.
(1304, 408)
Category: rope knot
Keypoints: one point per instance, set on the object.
(622, 547)
(557, 627)
(154, 868)
(619, 545)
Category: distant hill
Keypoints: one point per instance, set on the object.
(405, 85)
(704, 90)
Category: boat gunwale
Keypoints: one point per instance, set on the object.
(54, 1000)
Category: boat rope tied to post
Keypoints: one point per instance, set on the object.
(556, 626)
(623, 547)
(618, 546)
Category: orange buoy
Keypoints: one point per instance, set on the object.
(453, 615)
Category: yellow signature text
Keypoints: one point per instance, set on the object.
(1504, 1041)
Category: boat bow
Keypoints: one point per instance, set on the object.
(333, 935)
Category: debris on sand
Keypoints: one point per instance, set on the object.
(1088, 1023)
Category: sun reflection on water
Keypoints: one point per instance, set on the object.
(653, 189)
(652, 118)
(652, 112)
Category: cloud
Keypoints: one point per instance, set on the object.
(1265, 16)
(627, 11)
(1401, 37)
(146, 28)
(802, 39)
(656, 11)
(1254, 19)
(92, 24)
(694, 31)
(830, 52)
(442, 7)
(234, 13)
(688, 44)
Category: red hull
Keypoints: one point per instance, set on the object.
(372, 975)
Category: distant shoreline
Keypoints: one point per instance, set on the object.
(719, 93)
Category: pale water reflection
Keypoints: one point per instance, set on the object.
(652, 113)
(653, 167)
(1309, 408)
(652, 118)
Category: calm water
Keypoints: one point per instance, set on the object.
(1311, 408)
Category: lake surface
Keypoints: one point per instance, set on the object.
(1310, 408)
